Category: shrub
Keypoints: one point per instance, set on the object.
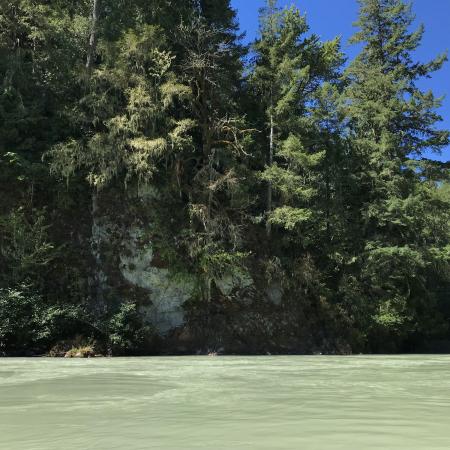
(27, 324)
(25, 250)
(128, 333)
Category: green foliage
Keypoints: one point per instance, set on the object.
(288, 73)
(146, 115)
(130, 129)
(289, 218)
(27, 323)
(25, 250)
(391, 121)
(128, 333)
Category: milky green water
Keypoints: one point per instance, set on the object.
(292, 402)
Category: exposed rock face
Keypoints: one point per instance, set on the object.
(239, 280)
(166, 292)
(100, 234)
(248, 314)
(125, 261)
(274, 293)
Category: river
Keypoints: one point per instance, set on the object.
(273, 402)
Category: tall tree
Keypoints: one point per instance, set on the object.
(392, 124)
(212, 68)
(295, 82)
(289, 70)
(39, 46)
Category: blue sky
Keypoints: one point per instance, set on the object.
(330, 18)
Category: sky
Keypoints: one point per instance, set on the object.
(331, 18)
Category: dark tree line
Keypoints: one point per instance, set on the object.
(283, 163)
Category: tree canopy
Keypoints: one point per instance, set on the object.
(279, 166)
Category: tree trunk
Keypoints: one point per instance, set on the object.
(96, 253)
(93, 37)
(269, 187)
(95, 240)
(327, 196)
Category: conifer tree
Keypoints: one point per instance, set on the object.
(212, 68)
(289, 70)
(392, 124)
(292, 73)
(277, 177)
(39, 45)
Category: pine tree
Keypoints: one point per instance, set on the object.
(293, 74)
(288, 73)
(392, 124)
(39, 44)
(212, 68)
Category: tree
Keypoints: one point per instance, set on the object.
(145, 120)
(39, 45)
(391, 124)
(211, 66)
(294, 81)
(289, 70)
(296, 76)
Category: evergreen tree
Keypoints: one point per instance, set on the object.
(212, 68)
(295, 76)
(391, 123)
(118, 116)
(289, 70)
(39, 44)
